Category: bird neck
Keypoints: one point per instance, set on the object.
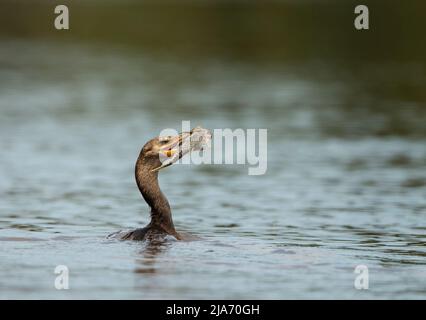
(147, 181)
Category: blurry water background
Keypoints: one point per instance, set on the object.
(345, 112)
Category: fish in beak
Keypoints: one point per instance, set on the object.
(174, 148)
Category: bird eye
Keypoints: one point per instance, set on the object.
(164, 140)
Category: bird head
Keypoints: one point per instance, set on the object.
(163, 151)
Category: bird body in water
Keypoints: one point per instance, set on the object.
(155, 155)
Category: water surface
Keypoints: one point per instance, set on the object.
(345, 185)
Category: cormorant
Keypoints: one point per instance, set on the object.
(155, 155)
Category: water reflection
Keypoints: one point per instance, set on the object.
(149, 253)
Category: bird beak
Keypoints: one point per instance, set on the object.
(170, 153)
(178, 146)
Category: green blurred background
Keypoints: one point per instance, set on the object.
(265, 31)
(382, 70)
